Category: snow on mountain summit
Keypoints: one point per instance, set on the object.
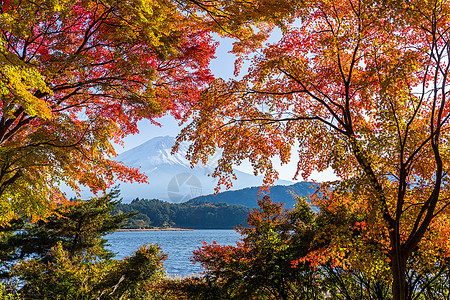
(154, 152)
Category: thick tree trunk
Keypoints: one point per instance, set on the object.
(398, 268)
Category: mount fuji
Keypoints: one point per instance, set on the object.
(171, 177)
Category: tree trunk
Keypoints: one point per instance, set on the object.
(398, 267)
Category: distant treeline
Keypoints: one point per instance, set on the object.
(194, 215)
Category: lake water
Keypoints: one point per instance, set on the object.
(177, 244)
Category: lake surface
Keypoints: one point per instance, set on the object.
(177, 244)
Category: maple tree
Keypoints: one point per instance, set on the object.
(78, 74)
(341, 257)
(361, 87)
(350, 249)
(259, 266)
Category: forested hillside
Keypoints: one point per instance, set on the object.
(156, 213)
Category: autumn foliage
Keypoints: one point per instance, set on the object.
(358, 86)
(78, 75)
(260, 265)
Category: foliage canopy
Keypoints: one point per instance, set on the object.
(77, 75)
(361, 87)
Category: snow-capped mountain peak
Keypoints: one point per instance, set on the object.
(170, 176)
(155, 152)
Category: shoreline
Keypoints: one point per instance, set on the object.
(155, 229)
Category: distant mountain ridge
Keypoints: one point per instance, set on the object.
(248, 196)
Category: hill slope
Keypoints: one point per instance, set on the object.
(248, 196)
(157, 213)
